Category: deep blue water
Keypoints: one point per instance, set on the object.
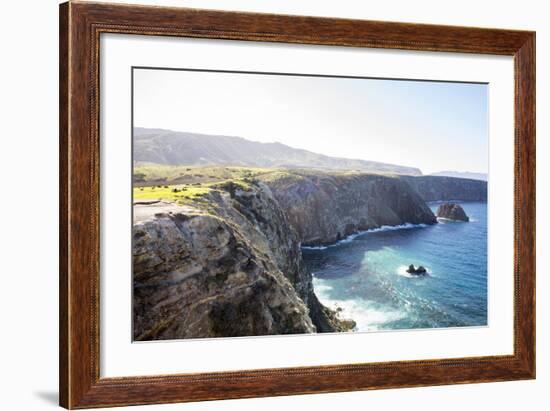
(365, 275)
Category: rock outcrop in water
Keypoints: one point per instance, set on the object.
(416, 271)
(437, 188)
(326, 207)
(452, 211)
(228, 265)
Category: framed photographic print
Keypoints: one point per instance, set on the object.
(258, 205)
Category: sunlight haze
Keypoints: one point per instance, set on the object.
(433, 126)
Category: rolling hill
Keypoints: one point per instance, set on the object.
(182, 148)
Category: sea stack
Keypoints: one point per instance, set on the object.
(452, 211)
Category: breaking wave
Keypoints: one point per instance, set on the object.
(351, 237)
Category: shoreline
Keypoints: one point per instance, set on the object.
(351, 237)
(377, 292)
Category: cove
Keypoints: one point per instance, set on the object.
(364, 276)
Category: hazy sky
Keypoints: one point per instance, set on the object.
(430, 125)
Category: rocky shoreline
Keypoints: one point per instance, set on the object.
(229, 263)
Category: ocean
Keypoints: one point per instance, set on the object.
(365, 275)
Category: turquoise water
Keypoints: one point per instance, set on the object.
(366, 277)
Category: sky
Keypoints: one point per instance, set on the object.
(434, 126)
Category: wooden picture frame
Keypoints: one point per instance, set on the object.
(81, 24)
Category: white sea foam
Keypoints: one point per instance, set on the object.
(353, 236)
(402, 271)
(367, 316)
(449, 220)
(321, 288)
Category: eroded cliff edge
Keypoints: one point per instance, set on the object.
(227, 264)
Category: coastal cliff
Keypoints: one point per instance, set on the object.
(219, 255)
(326, 207)
(438, 188)
(226, 264)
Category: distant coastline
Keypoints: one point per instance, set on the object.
(462, 174)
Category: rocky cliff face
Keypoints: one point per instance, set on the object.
(437, 188)
(227, 265)
(452, 211)
(324, 208)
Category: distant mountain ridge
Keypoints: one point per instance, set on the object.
(462, 174)
(182, 148)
